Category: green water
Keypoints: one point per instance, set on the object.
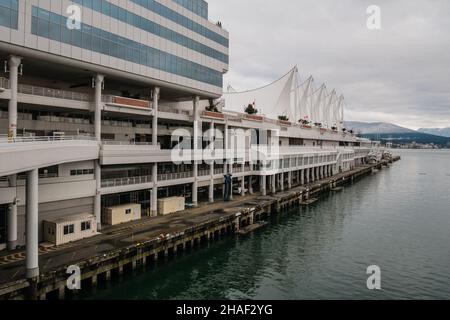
(398, 219)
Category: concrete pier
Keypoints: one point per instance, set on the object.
(207, 222)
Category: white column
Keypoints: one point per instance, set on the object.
(197, 127)
(289, 179)
(98, 196)
(243, 180)
(211, 166)
(154, 200)
(13, 64)
(230, 162)
(154, 197)
(12, 226)
(282, 181)
(250, 181)
(32, 225)
(155, 104)
(98, 136)
(98, 106)
(274, 183)
(263, 185)
(11, 219)
(302, 177)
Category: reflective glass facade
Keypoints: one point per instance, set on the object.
(53, 26)
(174, 16)
(9, 13)
(137, 21)
(198, 7)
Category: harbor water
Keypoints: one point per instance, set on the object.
(397, 219)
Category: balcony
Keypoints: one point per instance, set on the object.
(47, 92)
(126, 102)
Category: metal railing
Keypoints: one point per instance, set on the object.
(118, 182)
(130, 143)
(6, 140)
(175, 176)
(107, 183)
(47, 92)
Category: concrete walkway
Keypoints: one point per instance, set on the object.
(12, 265)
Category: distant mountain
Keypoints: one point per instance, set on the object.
(375, 127)
(388, 132)
(443, 132)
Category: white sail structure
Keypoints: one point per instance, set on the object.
(292, 99)
(305, 91)
(339, 112)
(328, 120)
(276, 99)
(317, 104)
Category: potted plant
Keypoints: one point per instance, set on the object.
(251, 112)
(211, 111)
(284, 120)
(305, 123)
(251, 109)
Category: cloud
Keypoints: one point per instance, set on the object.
(400, 73)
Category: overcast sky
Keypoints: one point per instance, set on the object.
(399, 74)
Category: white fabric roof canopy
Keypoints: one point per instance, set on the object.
(288, 97)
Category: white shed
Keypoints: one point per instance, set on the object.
(170, 205)
(70, 228)
(121, 214)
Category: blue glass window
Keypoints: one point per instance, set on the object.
(137, 21)
(9, 13)
(97, 40)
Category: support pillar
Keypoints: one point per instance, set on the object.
(302, 177)
(211, 166)
(98, 196)
(250, 184)
(243, 180)
(282, 181)
(273, 184)
(263, 185)
(11, 219)
(13, 64)
(98, 106)
(32, 224)
(197, 128)
(154, 200)
(289, 179)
